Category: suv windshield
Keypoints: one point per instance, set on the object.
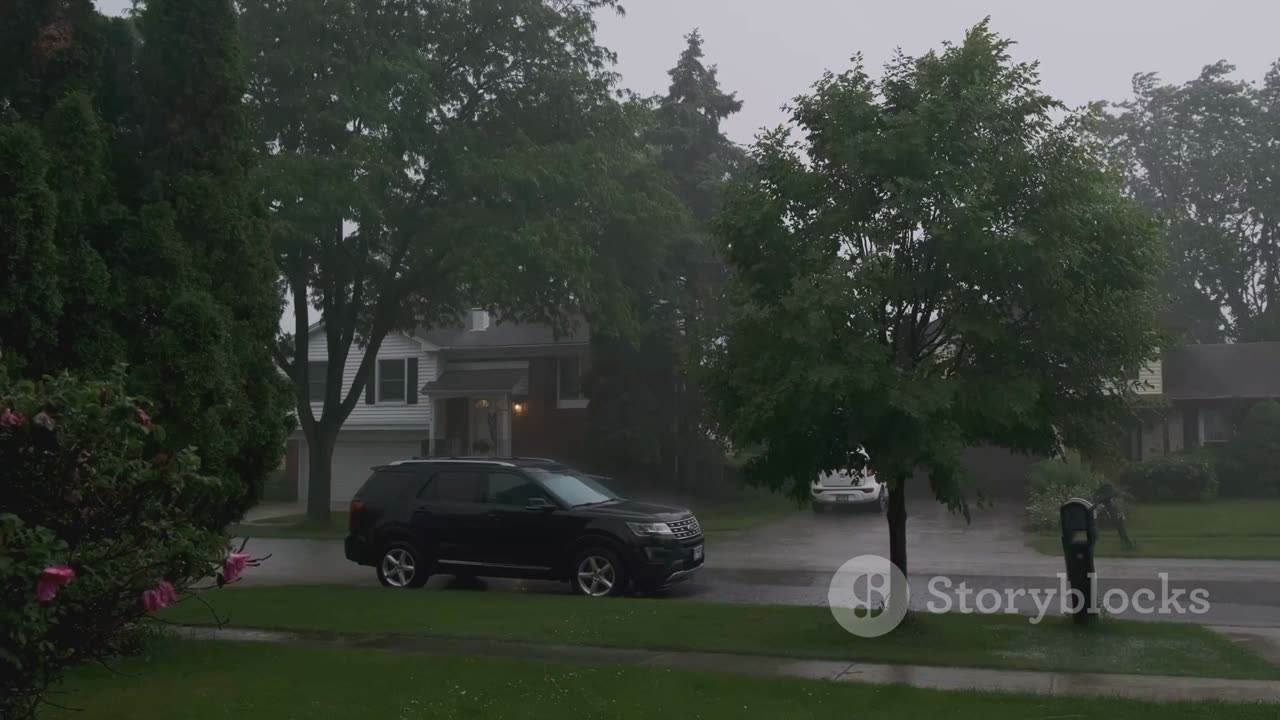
(572, 488)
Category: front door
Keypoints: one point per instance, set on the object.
(485, 430)
(457, 424)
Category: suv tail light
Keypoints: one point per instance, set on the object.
(353, 516)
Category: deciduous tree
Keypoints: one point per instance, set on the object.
(1204, 158)
(941, 260)
(422, 156)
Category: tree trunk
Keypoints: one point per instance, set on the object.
(319, 474)
(897, 517)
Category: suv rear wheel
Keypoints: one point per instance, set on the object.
(597, 572)
(402, 566)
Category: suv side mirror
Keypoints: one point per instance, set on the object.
(541, 504)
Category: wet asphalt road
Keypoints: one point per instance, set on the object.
(791, 562)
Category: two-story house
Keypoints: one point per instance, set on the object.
(479, 388)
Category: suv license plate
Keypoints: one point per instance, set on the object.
(697, 553)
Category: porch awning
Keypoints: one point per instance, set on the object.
(463, 383)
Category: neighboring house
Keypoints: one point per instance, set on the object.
(1205, 390)
(481, 388)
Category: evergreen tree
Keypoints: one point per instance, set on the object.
(646, 405)
(129, 227)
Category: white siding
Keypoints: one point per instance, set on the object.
(390, 415)
(1152, 378)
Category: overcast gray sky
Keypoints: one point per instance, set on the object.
(771, 50)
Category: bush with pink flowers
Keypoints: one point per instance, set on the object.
(101, 523)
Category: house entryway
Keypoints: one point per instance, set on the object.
(473, 425)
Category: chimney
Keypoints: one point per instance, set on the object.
(478, 320)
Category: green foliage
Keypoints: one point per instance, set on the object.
(130, 228)
(942, 260)
(1249, 465)
(29, 300)
(1177, 477)
(1053, 482)
(86, 483)
(1202, 157)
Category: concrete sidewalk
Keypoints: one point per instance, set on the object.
(1157, 688)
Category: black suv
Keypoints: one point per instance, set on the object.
(516, 517)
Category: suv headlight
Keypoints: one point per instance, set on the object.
(649, 528)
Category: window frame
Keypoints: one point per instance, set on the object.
(404, 382)
(570, 403)
(312, 375)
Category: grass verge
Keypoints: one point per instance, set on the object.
(216, 680)
(1220, 530)
(1000, 641)
(293, 526)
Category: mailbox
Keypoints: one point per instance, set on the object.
(1079, 534)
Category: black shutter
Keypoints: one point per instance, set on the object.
(411, 382)
(368, 386)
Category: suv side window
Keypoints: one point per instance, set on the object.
(389, 483)
(456, 486)
(511, 489)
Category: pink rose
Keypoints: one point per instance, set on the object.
(43, 420)
(233, 567)
(11, 418)
(166, 592)
(160, 597)
(144, 418)
(51, 579)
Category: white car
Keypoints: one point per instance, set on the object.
(860, 489)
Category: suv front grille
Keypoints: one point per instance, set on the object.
(685, 529)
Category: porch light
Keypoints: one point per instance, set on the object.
(519, 408)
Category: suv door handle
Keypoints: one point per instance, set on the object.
(493, 514)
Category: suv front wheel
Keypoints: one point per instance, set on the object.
(402, 566)
(597, 572)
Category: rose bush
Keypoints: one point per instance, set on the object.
(100, 523)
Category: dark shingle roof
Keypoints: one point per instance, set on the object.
(458, 383)
(504, 334)
(1241, 370)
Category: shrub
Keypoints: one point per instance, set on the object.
(1053, 482)
(99, 524)
(1181, 477)
(1250, 463)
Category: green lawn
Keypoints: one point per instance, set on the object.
(748, 512)
(216, 680)
(958, 640)
(1225, 529)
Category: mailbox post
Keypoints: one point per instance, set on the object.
(1079, 534)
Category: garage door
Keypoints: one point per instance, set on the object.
(352, 461)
